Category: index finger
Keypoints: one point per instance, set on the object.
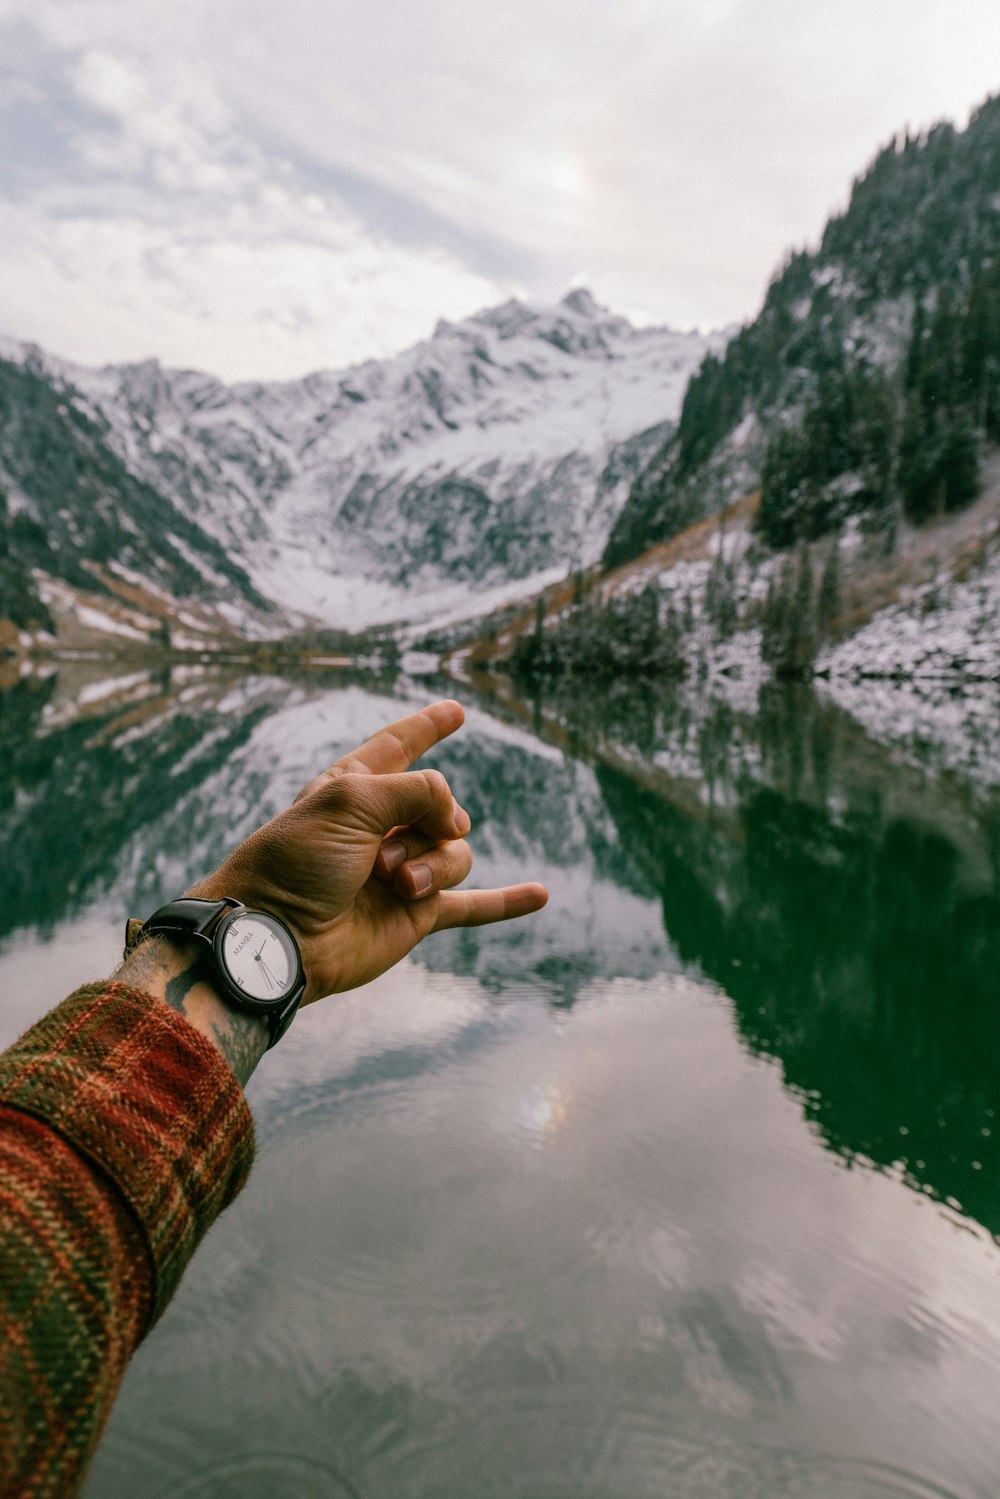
(395, 747)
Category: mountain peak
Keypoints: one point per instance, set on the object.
(582, 301)
(510, 318)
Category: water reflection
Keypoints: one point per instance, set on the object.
(77, 787)
(554, 1210)
(848, 905)
(648, 1298)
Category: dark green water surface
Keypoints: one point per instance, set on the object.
(688, 1186)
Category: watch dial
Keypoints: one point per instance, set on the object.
(260, 956)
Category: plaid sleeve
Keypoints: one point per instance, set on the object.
(123, 1135)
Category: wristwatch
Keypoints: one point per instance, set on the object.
(253, 958)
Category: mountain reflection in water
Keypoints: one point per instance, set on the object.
(570, 1213)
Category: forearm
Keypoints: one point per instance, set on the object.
(123, 1134)
(76, 1290)
(127, 1101)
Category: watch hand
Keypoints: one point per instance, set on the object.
(263, 966)
(268, 974)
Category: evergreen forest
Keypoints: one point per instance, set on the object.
(871, 378)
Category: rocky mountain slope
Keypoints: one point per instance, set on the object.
(499, 450)
(73, 514)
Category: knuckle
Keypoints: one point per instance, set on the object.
(437, 785)
(412, 846)
(463, 854)
(390, 736)
(341, 790)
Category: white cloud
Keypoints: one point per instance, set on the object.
(195, 244)
(698, 142)
(108, 83)
(244, 303)
(282, 165)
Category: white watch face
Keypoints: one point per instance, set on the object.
(260, 956)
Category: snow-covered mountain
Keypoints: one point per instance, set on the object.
(499, 451)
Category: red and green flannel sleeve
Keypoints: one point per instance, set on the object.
(123, 1135)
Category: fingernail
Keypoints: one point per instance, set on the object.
(393, 854)
(463, 821)
(420, 878)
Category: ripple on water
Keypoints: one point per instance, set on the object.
(420, 1224)
(560, 1442)
(487, 1276)
(263, 1475)
(639, 1457)
(789, 1475)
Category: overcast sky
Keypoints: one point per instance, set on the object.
(260, 189)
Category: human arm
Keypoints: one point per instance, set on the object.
(123, 1135)
(123, 1107)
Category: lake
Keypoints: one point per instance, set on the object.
(687, 1186)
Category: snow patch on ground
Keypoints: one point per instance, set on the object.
(98, 621)
(199, 563)
(947, 630)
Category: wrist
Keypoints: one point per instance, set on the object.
(247, 960)
(172, 969)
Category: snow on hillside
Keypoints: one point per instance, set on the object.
(944, 629)
(496, 451)
(922, 676)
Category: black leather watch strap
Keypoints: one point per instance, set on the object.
(193, 917)
(190, 915)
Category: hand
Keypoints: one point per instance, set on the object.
(362, 866)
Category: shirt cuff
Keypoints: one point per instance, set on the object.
(146, 1097)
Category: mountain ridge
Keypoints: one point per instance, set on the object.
(496, 451)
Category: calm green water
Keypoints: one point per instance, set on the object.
(686, 1187)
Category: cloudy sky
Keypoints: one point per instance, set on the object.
(260, 189)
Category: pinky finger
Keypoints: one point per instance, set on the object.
(480, 907)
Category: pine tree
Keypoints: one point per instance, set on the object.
(784, 487)
(778, 607)
(539, 617)
(672, 644)
(721, 607)
(828, 606)
(917, 461)
(801, 638)
(788, 637)
(958, 466)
